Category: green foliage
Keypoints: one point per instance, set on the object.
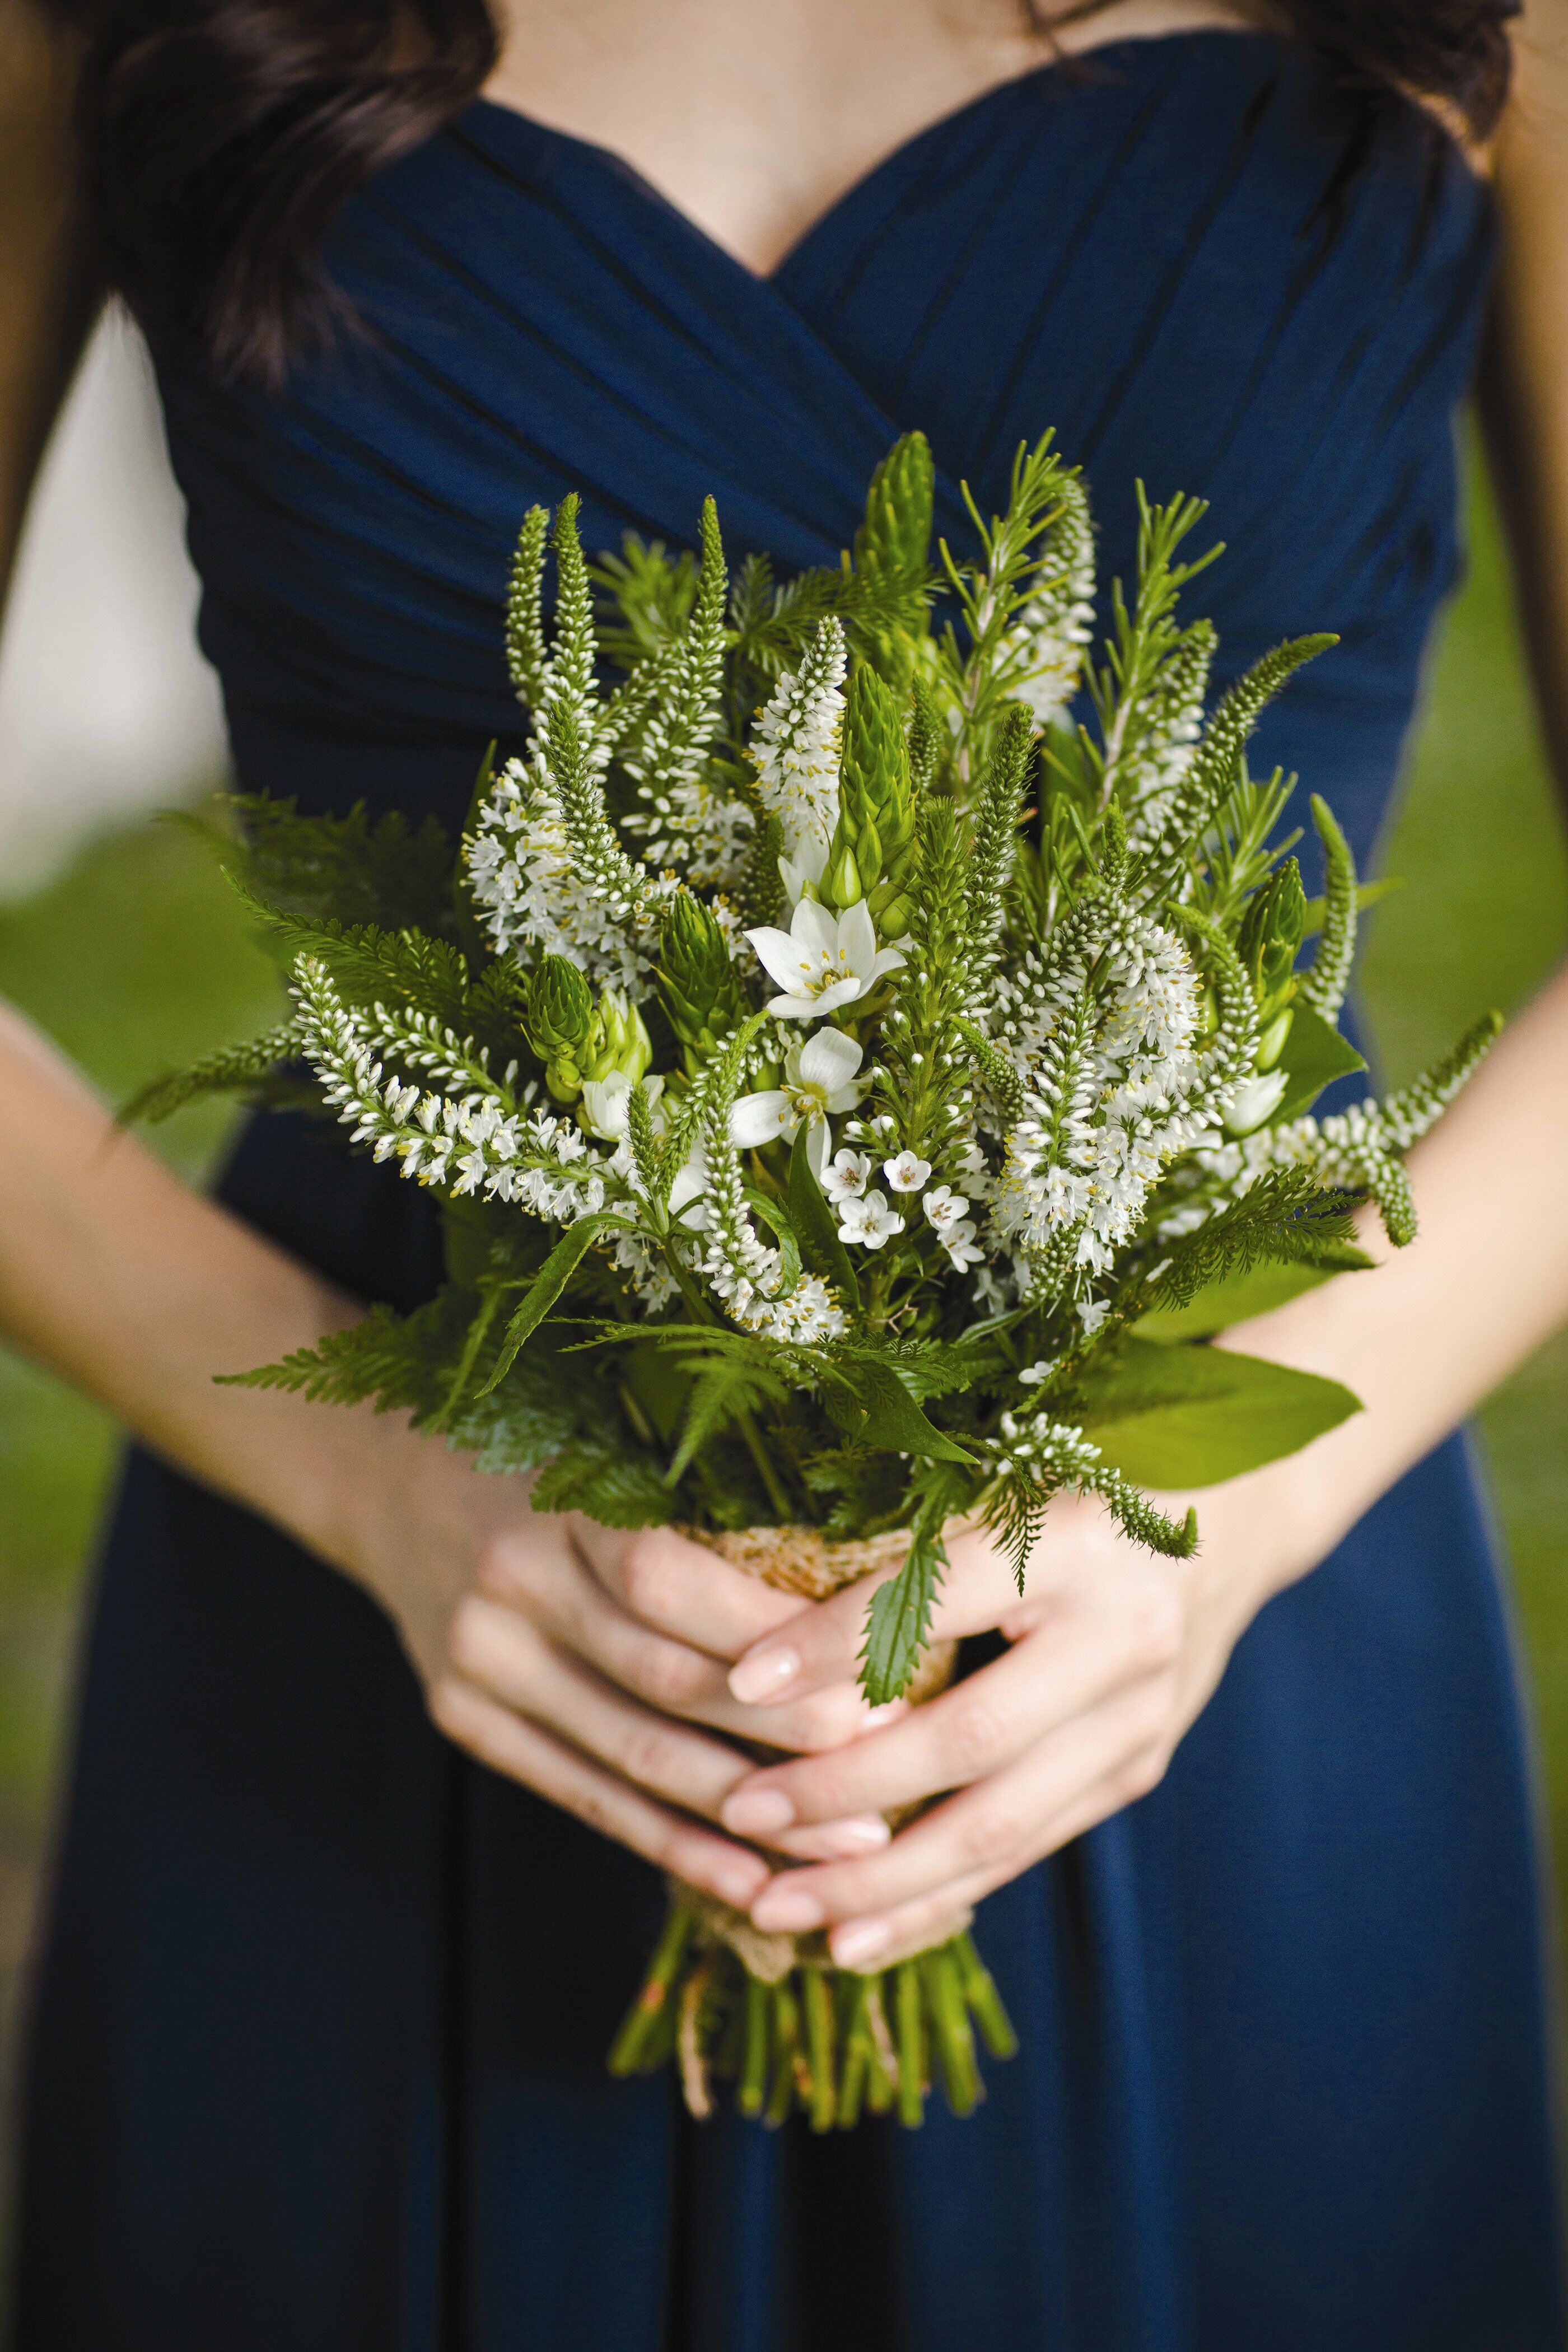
(1178, 1417)
(697, 983)
(344, 870)
(230, 1069)
(899, 1619)
(1312, 1055)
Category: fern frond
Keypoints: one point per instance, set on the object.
(228, 1070)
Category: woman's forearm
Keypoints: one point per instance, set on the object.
(1427, 1334)
(120, 1279)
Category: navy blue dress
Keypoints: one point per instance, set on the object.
(1283, 2085)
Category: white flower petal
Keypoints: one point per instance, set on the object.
(828, 1060)
(778, 954)
(757, 1120)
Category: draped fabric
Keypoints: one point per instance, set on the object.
(317, 2042)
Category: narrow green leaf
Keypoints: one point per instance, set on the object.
(1176, 1417)
(547, 1286)
(812, 1220)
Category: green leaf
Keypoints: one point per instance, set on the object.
(871, 1404)
(548, 1285)
(1314, 1055)
(1367, 895)
(820, 1247)
(898, 1617)
(618, 1487)
(1255, 1291)
(1174, 1417)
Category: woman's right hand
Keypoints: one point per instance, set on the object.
(591, 1665)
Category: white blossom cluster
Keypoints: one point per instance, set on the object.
(1105, 1041)
(1043, 652)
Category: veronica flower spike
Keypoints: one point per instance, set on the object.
(819, 1080)
(822, 961)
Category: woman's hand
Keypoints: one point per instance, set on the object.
(591, 1664)
(1114, 1652)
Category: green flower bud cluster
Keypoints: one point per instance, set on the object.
(577, 1039)
(1267, 945)
(697, 983)
(872, 852)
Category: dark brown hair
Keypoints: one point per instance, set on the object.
(222, 136)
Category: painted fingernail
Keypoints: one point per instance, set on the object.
(863, 1834)
(859, 1942)
(784, 1910)
(763, 1674)
(757, 1812)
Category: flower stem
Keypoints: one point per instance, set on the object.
(980, 1993)
(629, 2051)
(910, 2031)
(754, 2087)
(819, 2049)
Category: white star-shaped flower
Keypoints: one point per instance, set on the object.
(906, 1173)
(819, 1078)
(870, 1222)
(962, 1247)
(822, 961)
(944, 1207)
(847, 1176)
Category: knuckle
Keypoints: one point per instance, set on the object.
(667, 1676)
(649, 1576)
(470, 1643)
(992, 1834)
(1157, 1623)
(646, 1757)
(1140, 1775)
(972, 1736)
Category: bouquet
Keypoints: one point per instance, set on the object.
(864, 1049)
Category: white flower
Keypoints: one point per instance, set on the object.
(822, 959)
(819, 1078)
(1255, 1099)
(1092, 1312)
(961, 1245)
(604, 1103)
(847, 1176)
(944, 1207)
(869, 1222)
(1033, 1374)
(906, 1173)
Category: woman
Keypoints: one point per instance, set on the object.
(318, 2040)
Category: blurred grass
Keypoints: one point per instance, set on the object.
(138, 959)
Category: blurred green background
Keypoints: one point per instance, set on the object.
(137, 958)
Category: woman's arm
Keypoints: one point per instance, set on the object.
(1114, 1653)
(556, 1651)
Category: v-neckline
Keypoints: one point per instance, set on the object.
(867, 182)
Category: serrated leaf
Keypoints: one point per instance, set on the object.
(820, 1247)
(1315, 1055)
(899, 1619)
(1172, 1418)
(548, 1285)
(871, 1404)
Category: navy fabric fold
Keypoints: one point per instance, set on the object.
(317, 2044)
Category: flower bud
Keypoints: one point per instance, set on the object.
(621, 1043)
(871, 855)
(559, 1021)
(1270, 937)
(697, 983)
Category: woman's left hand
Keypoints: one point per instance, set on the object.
(1114, 1652)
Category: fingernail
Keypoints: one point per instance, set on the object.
(757, 1812)
(762, 1675)
(853, 1946)
(785, 1911)
(735, 1887)
(861, 1836)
